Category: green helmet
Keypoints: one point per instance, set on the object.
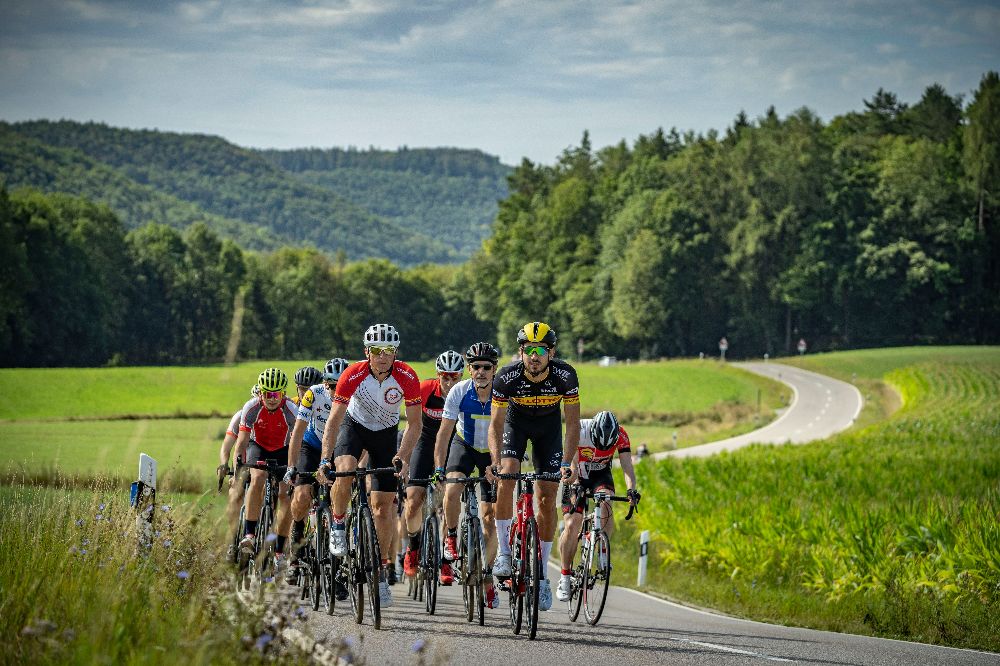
(272, 379)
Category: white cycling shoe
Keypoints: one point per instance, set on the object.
(338, 542)
(544, 595)
(501, 566)
(565, 588)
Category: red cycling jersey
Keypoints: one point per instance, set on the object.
(270, 430)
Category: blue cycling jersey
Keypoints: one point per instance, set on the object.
(471, 415)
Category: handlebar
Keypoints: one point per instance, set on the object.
(530, 476)
(603, 496)
(468, 480)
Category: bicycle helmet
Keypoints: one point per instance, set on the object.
(255, 391)
(536, 332)
(381, 334)
(450, 361)
(604, 430)
(334, 369)
(272, 379)
(482, 351)
(308, 376)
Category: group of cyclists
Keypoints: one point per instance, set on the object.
(349, 413)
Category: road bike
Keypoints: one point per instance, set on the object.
(361, 567)
(316, 565)
(425, 584)
(256, 562)
(592, 575)
(470, 567)
(526, 553)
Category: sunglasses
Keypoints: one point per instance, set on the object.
(378, 351)
(454, 376)
(541, 350)
(481, 366)
(272, 395)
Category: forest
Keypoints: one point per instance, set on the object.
(879, 227)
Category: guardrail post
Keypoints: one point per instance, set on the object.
(142, 497)
(643, 556)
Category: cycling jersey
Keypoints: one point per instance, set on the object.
(432, 404)
(314, 409)
(234, 424)
(593, 458)
(471, 415)
(269, 430)
(373, 404)
(526, 399)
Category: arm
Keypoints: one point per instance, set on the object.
(497, 418)
(572, 441)
(241, 444)
(227, 448)
(625, 458)
(337, 413)
(441, 442)
(295, 442)
(410, 436)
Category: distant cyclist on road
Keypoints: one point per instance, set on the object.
(449, 366)
(365, 417)
(467, 413)
(264, 432)
(600, 438)
(526, 398)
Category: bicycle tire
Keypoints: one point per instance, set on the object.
(477, 570)
(430, 561)
(579, 581)
(355, 574)
(599, 579)
(464, 565)
(321, 533)
(533, 576)
(372, 565)
(514, 592)
(326, 562)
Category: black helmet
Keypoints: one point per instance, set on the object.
(536, 332)
(308, 376)
(603, 430)
(482, 351)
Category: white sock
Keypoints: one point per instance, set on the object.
(503, 535)
(546, 551)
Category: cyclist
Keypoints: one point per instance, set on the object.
(225, 453)
(264, 432)
(467, 413)
(305, 377)
(306, 444)
(526, 397)
(433, 392)
(600, 437)
(365, 417)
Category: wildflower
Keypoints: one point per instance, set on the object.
(80, 522)
(418, 645)
(86, 542)
(101, 507)
(183, 574)
(99, 516)
(300, 612)
(165, 508)
(264, 639)
(72, 550)
(167, 543)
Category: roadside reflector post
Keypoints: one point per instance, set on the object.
(142, 498)
(643, 556)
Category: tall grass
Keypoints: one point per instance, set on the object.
(891, 531)
(75, 590)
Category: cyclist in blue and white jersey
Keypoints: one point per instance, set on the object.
(305, 446)
(467, 411)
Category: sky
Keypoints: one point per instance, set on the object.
(514, 79)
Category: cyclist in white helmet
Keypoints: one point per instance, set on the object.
(365, 417)
(449, 366)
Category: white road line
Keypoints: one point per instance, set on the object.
(723, 648)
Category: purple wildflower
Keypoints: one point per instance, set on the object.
(183, 575)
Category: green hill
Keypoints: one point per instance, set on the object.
(178, 179)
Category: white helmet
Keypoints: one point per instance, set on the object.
(450, 361)
(381, 334)
(334, 369)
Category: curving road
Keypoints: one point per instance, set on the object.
(637, 628)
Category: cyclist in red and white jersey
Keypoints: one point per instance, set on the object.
(433, 392)
(600, 438)
(264, 432)
(225, 454)
(365, 417)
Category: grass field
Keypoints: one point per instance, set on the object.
(891, 530)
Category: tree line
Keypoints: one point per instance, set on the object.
(878, 228)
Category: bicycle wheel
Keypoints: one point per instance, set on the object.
(353, 563)
(234, 548)
(321, 589)
(579, 580)
(463, 567)
(515, 590)
(372, 565)
(533, 576)
(599, 577)
(476, 570)
(430, 559)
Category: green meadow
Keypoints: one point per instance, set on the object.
(888, 530)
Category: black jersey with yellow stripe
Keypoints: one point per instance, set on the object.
(524, 398)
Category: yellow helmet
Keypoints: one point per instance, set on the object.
(538, 333)
(272, 379)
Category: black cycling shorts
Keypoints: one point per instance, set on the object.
(353, 439)
(309, 457)
(256, 452)
(465, 459)
(422, 461)
(597, 479)
(545, 435)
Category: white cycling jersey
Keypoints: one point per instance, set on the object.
(314, 409)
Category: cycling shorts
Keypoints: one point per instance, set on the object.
(422, 460)
(465, 459)
(308, 462)
(601, 478)
(256, 452)
(545, 435)
(353, 439)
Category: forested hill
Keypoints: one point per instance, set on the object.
(438, 190)
(406, 215)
